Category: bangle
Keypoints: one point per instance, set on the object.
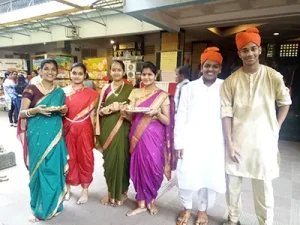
(27, 113)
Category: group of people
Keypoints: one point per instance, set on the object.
(14, 84)
(209, 131)
(58, 127)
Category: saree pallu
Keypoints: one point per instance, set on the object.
(46, 158)
(79, 136)
(114, 143)
(152, 151)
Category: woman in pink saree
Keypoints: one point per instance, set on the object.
(151, 140)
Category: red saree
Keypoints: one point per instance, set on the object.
(79, 135)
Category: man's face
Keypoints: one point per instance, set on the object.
(179, 77)
(210, 70)
(249, 54)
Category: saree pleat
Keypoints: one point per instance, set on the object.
(47, 156)
(116, 154)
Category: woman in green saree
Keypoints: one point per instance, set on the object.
(112, 132)
(45, 153)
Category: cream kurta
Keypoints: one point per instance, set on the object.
(198, 130)
(250, 101)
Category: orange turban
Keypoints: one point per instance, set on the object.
(211, 53)
(245, 37)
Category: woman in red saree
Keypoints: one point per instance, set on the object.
(151, 140)
(78, 129)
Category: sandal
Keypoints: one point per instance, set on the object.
(202, 219)
(183, 218)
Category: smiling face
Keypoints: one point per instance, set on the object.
(49, 72)
(148, 77)
(249, 54)
(116, 71)
(77, 75)
(210, 70)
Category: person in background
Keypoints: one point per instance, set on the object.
(201, 164)
(40, 131)
(10, 95)
(137, 80)
(251, 128)
(183, 74)
(37, 78)
(89, 83)
(34, 73)
(78, 131)
(111, 135)
(19, 88)
(125, 79)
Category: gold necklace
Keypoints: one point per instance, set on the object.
(77, 89)
(45, 89)
(112, 87)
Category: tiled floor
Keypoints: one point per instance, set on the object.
(14, 195)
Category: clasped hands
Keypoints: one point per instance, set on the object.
(114, 107)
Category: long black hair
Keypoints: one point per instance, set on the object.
(21, 84)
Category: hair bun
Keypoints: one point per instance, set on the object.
(252, 30)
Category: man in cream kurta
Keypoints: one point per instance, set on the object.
(199, 140)
(252, 128)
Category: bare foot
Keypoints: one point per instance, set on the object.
(152, 209)
(33, 219)
(136, 211)
(68, 195)
(84, 197)
(105, 200)
(56, 214)
(124, 198)
(202, 218)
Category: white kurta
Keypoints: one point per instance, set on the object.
(198, 130)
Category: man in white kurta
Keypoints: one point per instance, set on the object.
(252, 128)
(199, 140)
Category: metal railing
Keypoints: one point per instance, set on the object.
(11, 5)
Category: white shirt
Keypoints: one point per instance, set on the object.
(198, 131)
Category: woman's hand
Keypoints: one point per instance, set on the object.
(63, 110)
(123, 109)
(115, 107)
(105, 111)
(41, 109)
(153, 112)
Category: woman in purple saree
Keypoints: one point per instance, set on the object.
(151, 140)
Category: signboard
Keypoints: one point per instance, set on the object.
(13, 65)
(168, 61)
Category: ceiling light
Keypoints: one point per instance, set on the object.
(112, 41)
(276, 34)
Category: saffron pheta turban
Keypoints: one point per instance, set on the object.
(245, 37)
(211, 53)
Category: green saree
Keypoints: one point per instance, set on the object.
(114, 143)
